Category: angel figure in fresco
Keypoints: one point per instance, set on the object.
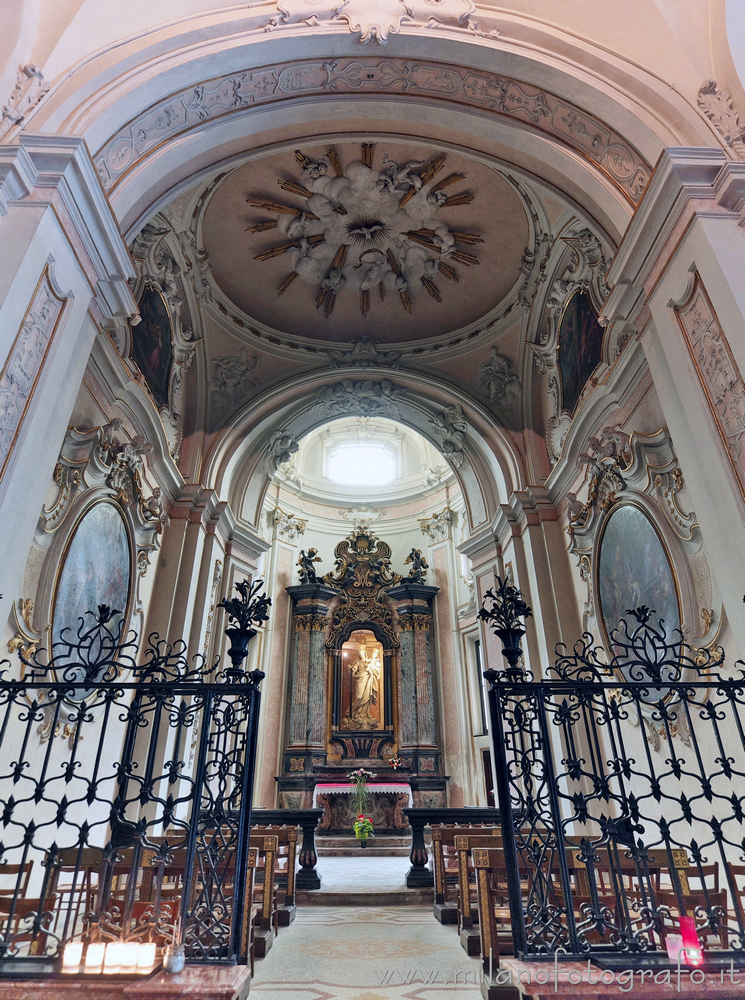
(365, 671)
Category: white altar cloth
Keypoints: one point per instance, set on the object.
(348, 788)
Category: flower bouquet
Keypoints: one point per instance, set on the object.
(395, 761)
(363, 828)
(360, 778)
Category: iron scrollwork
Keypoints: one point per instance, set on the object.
(607, 842)
(136, 841)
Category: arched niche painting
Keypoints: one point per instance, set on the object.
(634, 570)
(579, 343)
(152, 348)
(96, 570)
(362, 686)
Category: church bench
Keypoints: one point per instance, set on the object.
(467, 908)
(265, 892)
(284, 868)
(446, 866)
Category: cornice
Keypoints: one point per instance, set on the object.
(682, 176)
(43, 164)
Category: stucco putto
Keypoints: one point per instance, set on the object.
(373, 238)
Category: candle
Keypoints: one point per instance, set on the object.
(692, 946)
(94, 957)
(130, 956)
(71, 956)
(146, 957)
(674, 944)
(113, 957)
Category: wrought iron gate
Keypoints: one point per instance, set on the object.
(125, 792)
(622, 789)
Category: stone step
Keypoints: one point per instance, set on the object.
(371, 897)
(347, 840)
(384, 846)
(371, 851)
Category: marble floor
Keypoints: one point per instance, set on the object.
(366, 953)
(361, 873)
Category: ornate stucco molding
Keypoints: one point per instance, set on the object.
(585, 271)
(280, 449)
(717, 371)
(717, 105)
(232, 380)
(363, 353)
(438, 527)
(30, 88)
(97, 464)
(600, 147)
(363, 515)
(26, 359)
(374, 22)
(288, 527)
(497, 380)
(621, 467)
(450, 429)
(155, 251)
(368, 398)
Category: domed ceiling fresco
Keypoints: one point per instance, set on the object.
(380, 239)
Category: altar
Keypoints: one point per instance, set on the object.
(386, 802)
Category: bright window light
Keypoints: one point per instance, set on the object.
(361, 465)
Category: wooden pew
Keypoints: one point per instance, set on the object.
(495, 932)
(467, 907)
(284, 864)
(265, 893)
(445, 907)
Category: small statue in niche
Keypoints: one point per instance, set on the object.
(419, 566)
(307, 571)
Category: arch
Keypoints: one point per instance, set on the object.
(489, 467)
(163, 105)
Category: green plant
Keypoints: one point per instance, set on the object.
(363, 827)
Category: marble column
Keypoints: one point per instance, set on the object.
(416, 735)
(306, 739)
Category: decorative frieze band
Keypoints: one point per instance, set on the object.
(190, 108)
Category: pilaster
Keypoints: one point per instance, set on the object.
(677, 279)
(63, 271)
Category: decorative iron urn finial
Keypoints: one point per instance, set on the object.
(503, 618)
(250, 610)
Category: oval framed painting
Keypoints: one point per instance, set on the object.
(634, 569)
(96, 569)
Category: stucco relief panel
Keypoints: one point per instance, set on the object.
(717, 371)
(616, 158)
(25, 362)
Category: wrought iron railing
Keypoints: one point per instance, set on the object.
(125, 791)
(620, 784)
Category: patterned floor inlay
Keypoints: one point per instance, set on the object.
(366, 953)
